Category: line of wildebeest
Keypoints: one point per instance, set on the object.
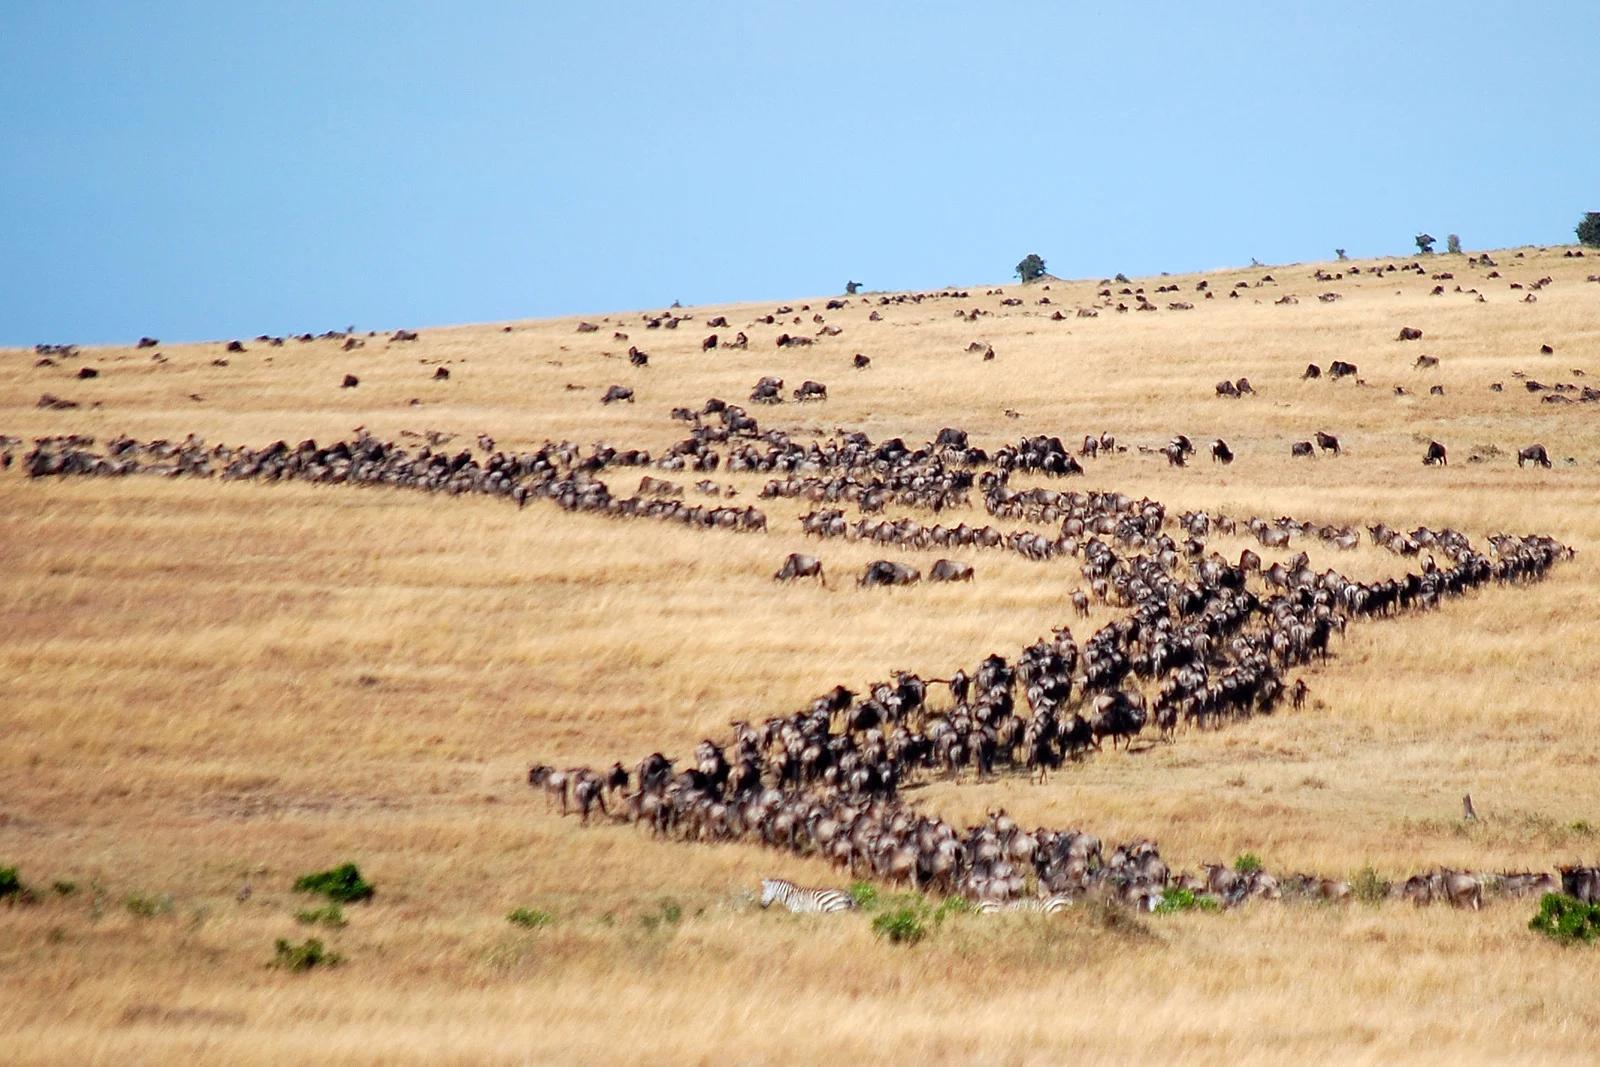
(1199, 648)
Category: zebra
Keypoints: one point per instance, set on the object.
(1046, 906)
(804, 901)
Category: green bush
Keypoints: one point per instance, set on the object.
(331, 915)
(342, 884)
(1030, 268)
(148, 907)
(1566, 919)
(1179, 899)
(532, 918)
(1368, 887)
(953, 906)
(903, 926)
(1425, 243)
(64, 887)
(1589, 229)
(864, 894)
(1247, 863)
(1452, 244)
(292, 957)
(10, 884)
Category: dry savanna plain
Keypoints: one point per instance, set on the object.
(210, 684)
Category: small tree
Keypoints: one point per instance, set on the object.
(1030, 268)
(1425, 243)
(1452, 245)
(1589, 229)
(851, 288)
(1340, 253)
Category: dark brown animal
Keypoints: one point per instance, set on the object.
(1436, 455)
(948, 570)
(800, 566)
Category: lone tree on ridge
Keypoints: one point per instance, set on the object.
(1030, 268)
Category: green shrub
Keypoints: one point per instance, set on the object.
(864, 894)
(342, 884)
(532, 918)
(1368, 887)
(953, 906)
(1030, 268)
(1581, 827)
(1121, 278)
(1179, 899)
(64, 887)
(1247, 863)
(331, 915)
(292, 957)
(10, 884)
(1566, 919)
(1589, 229)
(903, 926)
(671, 910)
(1452, 244)
(1425, 242)
(148, 907)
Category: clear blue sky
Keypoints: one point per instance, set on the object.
(211, 170)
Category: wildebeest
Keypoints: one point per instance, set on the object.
(948, 570)
(617, 392)
(1410, 333)
(1174, 453)
(1533, 454)
(1301, 448)
(1220, 452)
(1312, 371)
(1327, 442)
(709, 343)
(1244, 387)
(587, 327)
(440, 374)
(885, 572)
(88, 372)
(1227, 388)
(800, 566)
(1436, 455)
(1340, 369)
(810, 390)
(235, 346)
(1581, 882)
(638, 358)
(1425, 362)
(862, 362)
(350, 382)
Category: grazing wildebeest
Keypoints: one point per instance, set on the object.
(350, 382)
(587, 327)
(1340, 369)
(1327, 442)
(1174, 454)
(1312, 371)
(1410, 333)
(235, 346)
(885, 572)
(617, 392)
(88, 372)
(1581, 882)
(862, 362)
(148, 342)
(440, 374)
(948, 570)
(709, 343)
(799, 566)
(1220, 452)
(1227, 388)
(1437, 390)
(1425, 362)
(1301, 448)
(638, 358)
(1533, 454)
(810, 390)
(1436, 455)
(1244, 387)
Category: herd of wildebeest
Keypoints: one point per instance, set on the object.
(1201, 640)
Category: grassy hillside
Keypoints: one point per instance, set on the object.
(207, 684)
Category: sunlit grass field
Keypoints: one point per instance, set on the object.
(205, 685)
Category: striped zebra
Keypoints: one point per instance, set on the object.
(1046, 906)
(804, 901)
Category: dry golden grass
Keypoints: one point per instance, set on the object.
(208, 682)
